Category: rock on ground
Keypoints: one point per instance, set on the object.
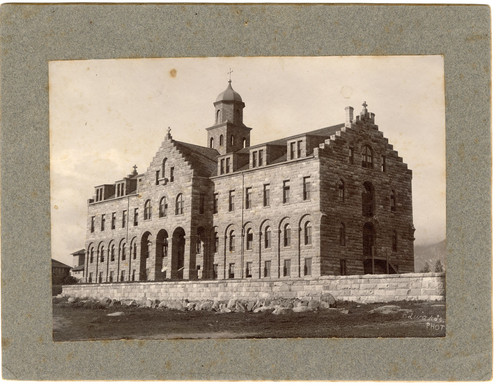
(120, 313)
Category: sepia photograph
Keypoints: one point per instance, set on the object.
(248, 197)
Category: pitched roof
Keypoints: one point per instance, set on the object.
(203, 159)
(324, 132)
(58, 264)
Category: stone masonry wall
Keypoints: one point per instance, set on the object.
(358, 288)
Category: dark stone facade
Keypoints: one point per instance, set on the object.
(333, 201)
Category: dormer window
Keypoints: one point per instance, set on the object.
(292, 150)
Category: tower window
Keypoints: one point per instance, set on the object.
(217, 118)
(211, 142)
(232, 140)
(221, 140)
(245, 142)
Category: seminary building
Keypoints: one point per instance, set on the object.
(332, 201)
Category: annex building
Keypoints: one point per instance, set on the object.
(332, 201)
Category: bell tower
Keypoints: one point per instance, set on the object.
(228, 134)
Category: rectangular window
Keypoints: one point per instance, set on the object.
(122, 275)
(231, 270)
(136, 216)
(307, 188)
(261, 157)
(299, 149)
(172, 174)
(231, 200)
(286, 267)
(286, 192)
(124, 218)
(92, 224)
(157, 177)
(216, 203)
(113, 220)
(307, 266)
(103, 222)
(292, 150)
(133, 275)
(221, 166)
(227, 165)
(254, 159)
(215, 271)
(383, 166)
(343, 267)
(100, 277)
(248, 198)
(267, 194)
(111, 274)
(90, 277)
(248, 269)
(267, 268)
(202, 204)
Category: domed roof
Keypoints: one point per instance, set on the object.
(229, 95)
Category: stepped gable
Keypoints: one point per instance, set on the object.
(202, 159)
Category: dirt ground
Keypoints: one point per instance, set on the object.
(350, 320)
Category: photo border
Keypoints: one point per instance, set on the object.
(32, 35)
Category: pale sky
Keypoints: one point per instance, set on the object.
(107, 115)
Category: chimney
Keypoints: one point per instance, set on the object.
(349, 112)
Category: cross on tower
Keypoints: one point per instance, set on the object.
(229, 73)
(135, 169)
(364, 104)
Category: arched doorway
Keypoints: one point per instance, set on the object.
(146, 247)
(161, 254)
(178, 248)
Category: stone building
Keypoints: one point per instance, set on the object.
(332, 201)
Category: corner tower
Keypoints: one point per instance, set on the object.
(228, 134)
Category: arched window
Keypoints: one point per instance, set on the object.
(342, 234)
(164, 247)
(163, 168)
(232, 140)
(147, 210)
(393, 201)
(91, 255)
(368, 199)
(231, 241)
(216, 242)
(307, 233)
(394, 241)
(217, 116)
(198, 243)
(367, 157)
(267, 237)
(237, 116)
(123, 251)
(163, 207)
(102, 253)
(179, 204)
(249, 239)
(341, 190)
(112, 252)
(245, 142)
(133, 249)
(221, 140)
(287, 235)
(211, 142)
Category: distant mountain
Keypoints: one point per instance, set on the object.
(430, 254)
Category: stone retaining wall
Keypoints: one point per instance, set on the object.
(358, 288)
